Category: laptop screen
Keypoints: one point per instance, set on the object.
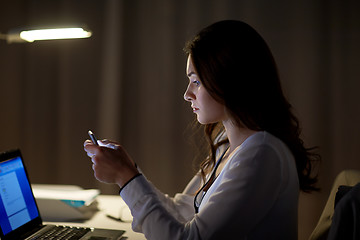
(17, 203)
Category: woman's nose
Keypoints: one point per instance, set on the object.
(188, 95)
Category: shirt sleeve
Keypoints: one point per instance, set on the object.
(152, 214)
(181, 206)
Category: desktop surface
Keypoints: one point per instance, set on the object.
(110, 208)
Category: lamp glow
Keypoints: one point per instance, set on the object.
(57, 33)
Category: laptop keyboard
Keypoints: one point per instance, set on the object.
(63, 233)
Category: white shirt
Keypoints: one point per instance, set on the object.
(254, 197)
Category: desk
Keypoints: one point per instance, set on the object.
(116, 206)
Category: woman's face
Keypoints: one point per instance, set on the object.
(204, 106)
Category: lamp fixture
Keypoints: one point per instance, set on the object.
(45, 34)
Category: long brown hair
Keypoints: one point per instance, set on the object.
(237, 68)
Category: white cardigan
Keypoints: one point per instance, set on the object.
(254, 197)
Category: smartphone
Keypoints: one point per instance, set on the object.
(93, 138)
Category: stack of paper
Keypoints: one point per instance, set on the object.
(65, 203)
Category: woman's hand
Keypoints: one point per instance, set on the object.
(111, 163)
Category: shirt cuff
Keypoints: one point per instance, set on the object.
(135, 190)
(139, 174)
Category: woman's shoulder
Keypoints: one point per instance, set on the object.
(262, 138)
(263, 144)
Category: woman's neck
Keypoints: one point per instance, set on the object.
(236, 135)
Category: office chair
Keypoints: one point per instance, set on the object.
(325, 228)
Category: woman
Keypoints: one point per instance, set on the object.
(248, 186)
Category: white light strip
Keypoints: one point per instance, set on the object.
(59, 33)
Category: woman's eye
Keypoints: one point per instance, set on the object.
(196, 82)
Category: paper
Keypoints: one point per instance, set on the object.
(86, 196)
(65, 202)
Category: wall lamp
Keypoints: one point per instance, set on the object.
(45, 34)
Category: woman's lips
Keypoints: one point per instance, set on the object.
(194, 108)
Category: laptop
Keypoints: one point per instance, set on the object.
(19, 215)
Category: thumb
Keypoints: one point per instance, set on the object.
(107, 143)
